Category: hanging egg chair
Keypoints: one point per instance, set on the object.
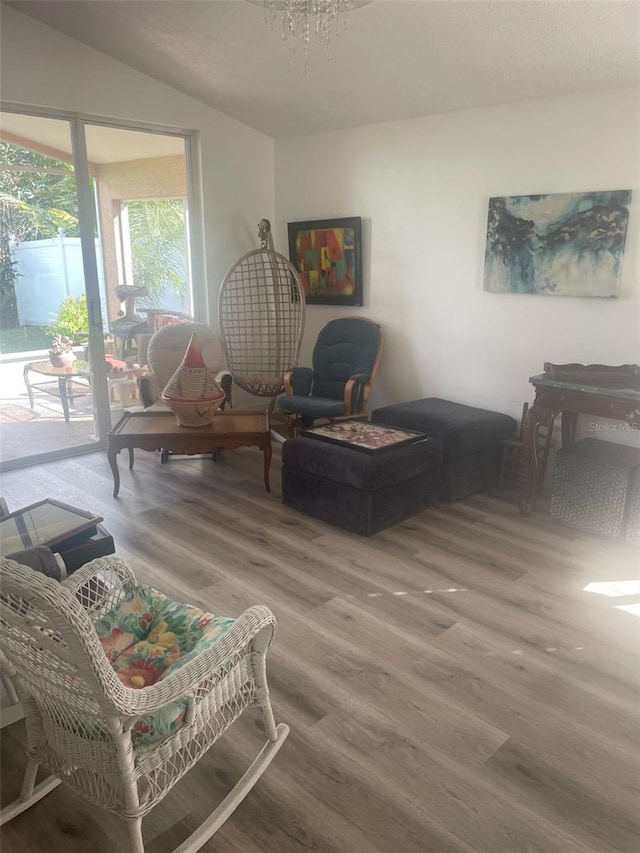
(261, 315)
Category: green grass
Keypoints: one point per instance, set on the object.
(23, 339)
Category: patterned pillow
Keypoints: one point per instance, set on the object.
(147, 637)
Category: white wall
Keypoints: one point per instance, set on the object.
(42, 67)
(422, 187)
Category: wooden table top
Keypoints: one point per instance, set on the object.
(165, 423)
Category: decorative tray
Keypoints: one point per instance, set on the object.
(365, 436)
(603, 375)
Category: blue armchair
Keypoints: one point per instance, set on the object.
(345, 361)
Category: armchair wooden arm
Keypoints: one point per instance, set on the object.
(356, 394)
(298, 381)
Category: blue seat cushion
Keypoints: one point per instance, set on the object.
(311, 407)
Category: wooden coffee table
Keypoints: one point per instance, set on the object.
(160, 431)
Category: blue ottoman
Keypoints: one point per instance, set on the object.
(471, 440)
(358, 491)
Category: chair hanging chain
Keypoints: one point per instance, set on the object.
(265, 235)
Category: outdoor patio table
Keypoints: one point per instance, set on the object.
(70, 382)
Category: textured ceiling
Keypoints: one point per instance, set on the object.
(397, 58)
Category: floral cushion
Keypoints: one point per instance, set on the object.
(146, 638)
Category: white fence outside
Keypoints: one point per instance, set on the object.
(49, 271)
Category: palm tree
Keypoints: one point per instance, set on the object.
(157, 232)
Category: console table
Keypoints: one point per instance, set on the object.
(160, 431)
(570, 399)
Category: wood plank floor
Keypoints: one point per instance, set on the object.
(449, 685)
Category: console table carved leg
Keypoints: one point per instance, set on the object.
(537, 416)
(131, 458)
(569, 421)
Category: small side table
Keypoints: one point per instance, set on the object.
(65, 385)
(74, 533)
(75, 381)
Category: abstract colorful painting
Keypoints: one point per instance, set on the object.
(560, 244)
(328, 256)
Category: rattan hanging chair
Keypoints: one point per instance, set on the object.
(261, 315)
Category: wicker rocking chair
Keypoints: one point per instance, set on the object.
(95, 717)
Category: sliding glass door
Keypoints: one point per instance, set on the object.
(51, 293)
(94, 256)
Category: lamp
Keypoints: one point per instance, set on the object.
(301, 18)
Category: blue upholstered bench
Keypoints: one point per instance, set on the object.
(359, 491)
(471, 440)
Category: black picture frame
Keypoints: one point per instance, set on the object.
(327, 253)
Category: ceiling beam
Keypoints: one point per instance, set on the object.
(39, 148)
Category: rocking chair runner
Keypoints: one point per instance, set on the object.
(90, 720)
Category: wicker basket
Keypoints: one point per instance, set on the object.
(192, 393)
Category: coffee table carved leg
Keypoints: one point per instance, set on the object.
(266, 448)
(130, 458)
(537, 416)
(112, 456)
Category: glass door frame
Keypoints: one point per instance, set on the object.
(86, 212)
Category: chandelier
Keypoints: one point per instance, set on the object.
(303, 20)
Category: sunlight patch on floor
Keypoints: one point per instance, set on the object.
(412, 592)
(618, 589)
(614, 589)
(629, 608)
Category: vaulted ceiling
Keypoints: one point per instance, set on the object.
(397, 59)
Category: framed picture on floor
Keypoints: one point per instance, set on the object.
(328, 255)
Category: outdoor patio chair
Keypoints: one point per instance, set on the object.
(165, 352)
(124, 689)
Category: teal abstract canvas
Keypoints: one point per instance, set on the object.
(559, 244)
